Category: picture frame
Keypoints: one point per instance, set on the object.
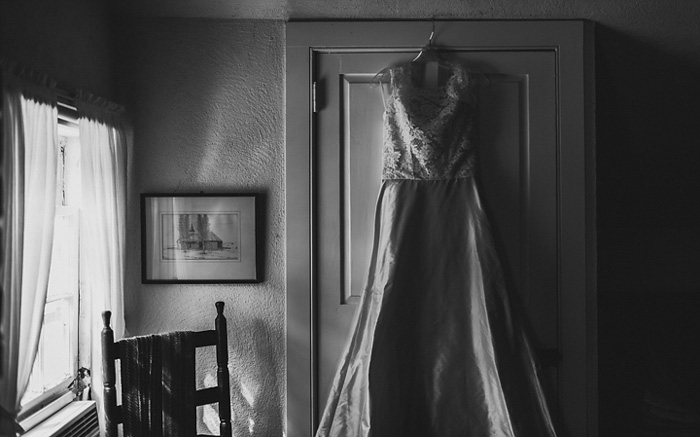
(200, 238)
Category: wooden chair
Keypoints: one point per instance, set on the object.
(112, 351)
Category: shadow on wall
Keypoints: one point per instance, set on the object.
(255, 401)
(205, 96)
(647, 131)
(649, 365)
(648, 236)
(68, 42)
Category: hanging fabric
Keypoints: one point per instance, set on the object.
(29, 179)
(103, 144)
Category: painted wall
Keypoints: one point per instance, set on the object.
(207, 102)
(71, 43)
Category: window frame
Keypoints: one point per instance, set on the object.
(67, 126)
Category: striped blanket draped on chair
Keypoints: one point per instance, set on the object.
(158, 385)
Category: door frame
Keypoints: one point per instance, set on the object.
(572, 41)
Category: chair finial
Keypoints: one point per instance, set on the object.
(106, 317)
(220, 308)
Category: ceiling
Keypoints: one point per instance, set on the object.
(311, 9)
(218, 9)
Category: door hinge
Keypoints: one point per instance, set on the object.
(314, 108)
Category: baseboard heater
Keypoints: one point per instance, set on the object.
(77, 419)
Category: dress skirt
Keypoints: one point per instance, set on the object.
(436, 349)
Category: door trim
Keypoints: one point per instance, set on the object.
(572, 40)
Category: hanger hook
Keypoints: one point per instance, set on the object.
(432, 35)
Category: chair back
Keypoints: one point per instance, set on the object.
(220, 394)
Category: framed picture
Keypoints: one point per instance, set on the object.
(199, 238)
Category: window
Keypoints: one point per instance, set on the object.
(57, 359)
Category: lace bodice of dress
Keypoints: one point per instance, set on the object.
(430, 133)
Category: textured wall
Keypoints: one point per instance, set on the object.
(206, 98)
(71, 43)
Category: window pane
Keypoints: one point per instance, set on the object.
(57, 342)
(63, 279)
(71, 171)
(57, 353)
(54, 361)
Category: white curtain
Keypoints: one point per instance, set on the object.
(103, 141)
(29, 179)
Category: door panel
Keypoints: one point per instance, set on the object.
(517, 174)
(361, 167)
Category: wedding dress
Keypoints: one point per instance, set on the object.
(436, 350)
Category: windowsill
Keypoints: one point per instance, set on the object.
(76, 418)
(44, 400)
(44, 413)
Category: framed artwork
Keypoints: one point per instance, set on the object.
(199, 238)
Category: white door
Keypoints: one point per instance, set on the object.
(520, 180)
(518, 174)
